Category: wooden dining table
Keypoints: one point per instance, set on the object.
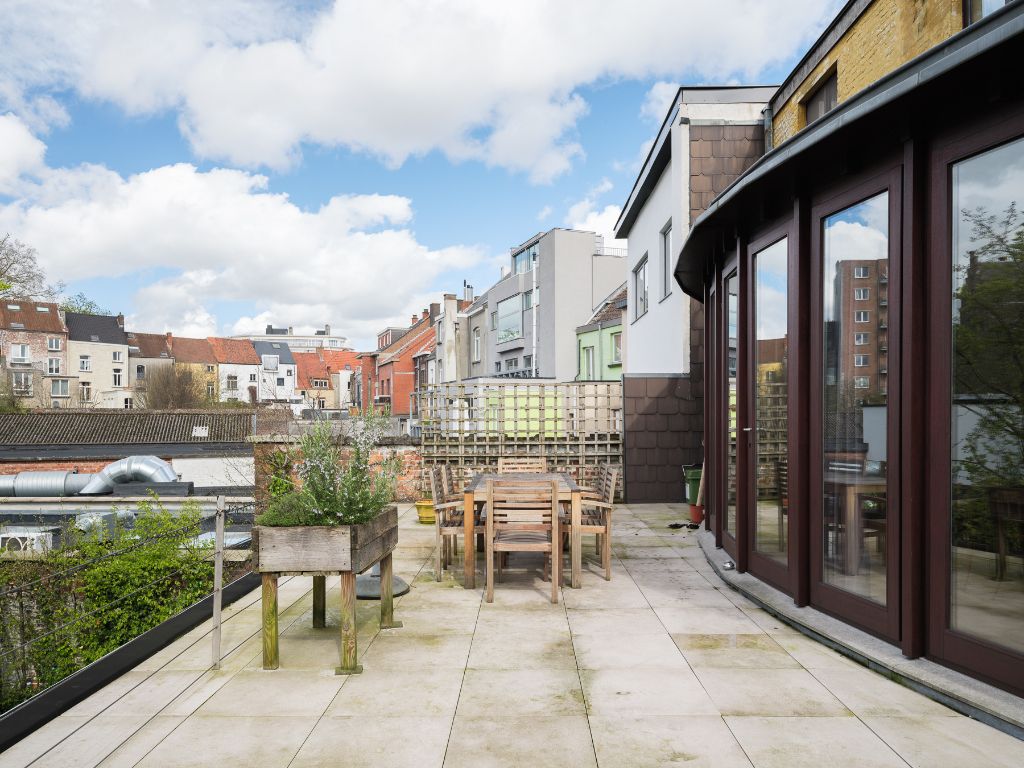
(568, 492)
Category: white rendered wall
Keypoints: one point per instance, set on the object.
(216, 470)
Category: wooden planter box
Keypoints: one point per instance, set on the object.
(318, 551)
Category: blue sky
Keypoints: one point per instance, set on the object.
(210, 168)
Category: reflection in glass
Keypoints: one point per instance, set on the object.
(732, 323)
(987, 592)
(771, 456)
(854, 418)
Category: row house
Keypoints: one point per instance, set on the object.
(34, 353)
(98, 355)
(341, 366)
(147, 352)
(599, 342)
(394, 362)
(276, 376)
(314, 383)
(197, 356)
(238, 369)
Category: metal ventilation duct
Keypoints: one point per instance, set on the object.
(147, 469)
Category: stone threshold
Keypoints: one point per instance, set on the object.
(966, 695)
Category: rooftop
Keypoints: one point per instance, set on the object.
(104, 329)
(150, 344)
(236, 351)
(187, 350)
(38, 316)
(123, 427)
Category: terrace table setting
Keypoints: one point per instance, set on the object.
(568, 492)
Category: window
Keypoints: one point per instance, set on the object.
(41, 308)
(53, 365)
(510, 319)
(527, 300)
(21, 381)
(862, 316)
(288, 371)
(84, 391)
(252, 377)
(617, 347)
(494, 321)
(525, 259)
(476, 345)
(58, 388)
(862, 294)
(210, 369)
(270, 362)
(232, 383)
(860, 272)
(20, 353)
(860, 361)
(140, 373)
(861, 382)
(319, 383)
(823, 100)
(666, 260)
(640, 288)
(14, 307)
(860, 339)
(979, 9)
(512, 364)
(53, 344)
(84, 363)
(528, 362)
(588, 364)
(210, 389)
(280, 381)
(117, 377)
(497, 367)
(118, 356)
(127, 403)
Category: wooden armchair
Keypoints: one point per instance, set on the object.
(448, 522)
(522, 516)
(513, 464)
(598, 504)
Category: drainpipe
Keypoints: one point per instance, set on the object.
(533, 313)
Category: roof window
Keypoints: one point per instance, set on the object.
(42, 309)
(18, 326)
(14, 307)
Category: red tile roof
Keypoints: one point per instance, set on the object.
(192, 350)
(237, 351)
(39, 316)
(337, 359)
(309, 366)
(150, 344)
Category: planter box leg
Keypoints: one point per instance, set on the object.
(348, 626)
(387, 599)
(270, 657)
(319, 602)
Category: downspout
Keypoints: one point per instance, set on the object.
(533, 318)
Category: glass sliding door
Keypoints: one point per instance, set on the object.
(986, 557)
(770, 452)
(854, 451)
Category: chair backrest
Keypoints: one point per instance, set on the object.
(607, 479)
(437, 484)
(782, 480)
(508, 464)
(448, 480)
(1007, 503)
(524, 505)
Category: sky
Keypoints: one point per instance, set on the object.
(208, 168)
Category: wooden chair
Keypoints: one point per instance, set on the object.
(1007, 507)
(782, 489)
(597, 506)
(448, 522)
(512, 464)
(522, 516)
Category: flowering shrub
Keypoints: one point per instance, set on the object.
(334, 492)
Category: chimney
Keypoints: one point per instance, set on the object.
(120, 321)
(327, 330)
(425, 315)
(467, 291)
(435, 310)
(291, 331)
(169, 337)
(414, 320)
(270, 328)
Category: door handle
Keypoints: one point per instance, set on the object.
(747, 429)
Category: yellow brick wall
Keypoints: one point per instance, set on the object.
(205, 377)
(888, 34)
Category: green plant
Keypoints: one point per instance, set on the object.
(281, 468)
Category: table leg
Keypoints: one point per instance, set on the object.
(319, 602)
(468, 550)
(348, 626)
(270, 654)
(387, 598)
(576, 540)
(851, 547)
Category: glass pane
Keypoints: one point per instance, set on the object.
(732, 320)
(771, 455)
(855, 447)
(987, 585)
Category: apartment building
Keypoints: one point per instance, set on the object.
(318, 339)
(524, 325)
(276, 376)
(98, 354)
(34, 354)
(238, 369)
(395, 365)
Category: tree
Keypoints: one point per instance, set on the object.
(82, 304)
(171, 387)
(20, 273)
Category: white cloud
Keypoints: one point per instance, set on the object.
(252, 81)
(543, 213)
(222, 235)
(657, 101)
(21, 153)
(587, 215)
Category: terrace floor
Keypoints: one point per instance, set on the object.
(662, 665)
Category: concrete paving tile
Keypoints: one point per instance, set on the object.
(86, 747)
(394, 651)
(769, 692)
(618, 622)
(434, 619)
(869, 694)
(109, 694)
(289, 693)
(537, 742)
(140, 743)
(697, 741)
(641, 692)
(198, 693)
(734, 651)
(503, 693)
(544, 649)
(650, 552)
(39, 741)
(420, 692)
(362, 742)
(154, 693)
(700, 620)
(497, 619)
(811, 742)
(956, 741)
(811, 654)
(259, 741)
(319, 653)
(689, 598)
(597, 652)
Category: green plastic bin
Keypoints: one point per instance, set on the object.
(692, 476)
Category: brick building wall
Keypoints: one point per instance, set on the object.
(885, 36)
